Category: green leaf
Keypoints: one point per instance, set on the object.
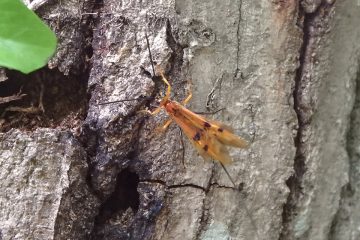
(26, 43)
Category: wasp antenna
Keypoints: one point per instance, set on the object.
(125, 100)
(227, 173)
(151, 59)
(211, 113)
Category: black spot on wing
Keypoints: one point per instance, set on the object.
(197, 136)
(175, 111)
(206, 147)
(207, 125)
(220, 129)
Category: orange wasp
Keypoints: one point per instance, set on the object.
(209, 137)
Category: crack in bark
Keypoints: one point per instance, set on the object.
(176, 58)
(204, 218)
(92, 137)
(294, 182)
(187, 185)
(89, 138)
(204, 210)
(123, 196)
(238, 37)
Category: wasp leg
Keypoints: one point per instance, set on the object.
(163, 127)
(187, 99)
(154, 112)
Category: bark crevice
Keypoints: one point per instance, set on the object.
(124, 196)
(50, 99)
(304, 110)
(238, 37)
(294, 182)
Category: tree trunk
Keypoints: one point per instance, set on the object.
(286, 73)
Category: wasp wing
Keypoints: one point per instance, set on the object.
(206, 144)
(220, 131)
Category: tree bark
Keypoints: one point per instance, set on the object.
(286, 73)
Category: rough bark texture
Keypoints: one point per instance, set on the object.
(43, 185)
(286, 72)
(324, 97)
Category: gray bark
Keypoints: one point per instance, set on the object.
(286, 72)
